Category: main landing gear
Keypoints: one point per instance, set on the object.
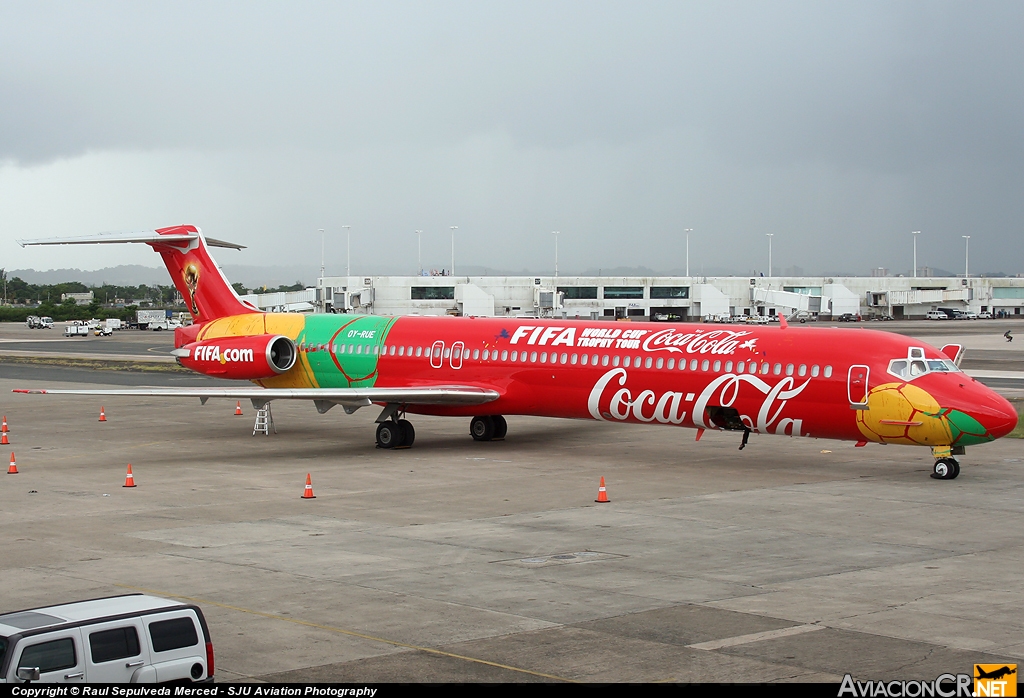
(488, 428)
(946, 469)
(395, 433)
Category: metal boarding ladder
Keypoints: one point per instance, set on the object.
(264, 421)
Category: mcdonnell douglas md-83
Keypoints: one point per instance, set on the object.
(853, 385)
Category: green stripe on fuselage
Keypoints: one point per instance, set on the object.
(351, 341)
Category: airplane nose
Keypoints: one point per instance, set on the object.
(996, 413)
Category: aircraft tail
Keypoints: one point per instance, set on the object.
(185, 252)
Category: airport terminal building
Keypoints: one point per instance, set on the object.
(652, 298)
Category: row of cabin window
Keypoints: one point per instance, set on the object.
(605, 360)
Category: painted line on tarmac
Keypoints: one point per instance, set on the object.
(351, 633)
(755, 637)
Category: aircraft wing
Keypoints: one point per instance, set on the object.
(348, 397)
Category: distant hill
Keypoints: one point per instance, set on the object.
(136, 275)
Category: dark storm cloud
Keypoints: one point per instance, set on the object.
(849, 120)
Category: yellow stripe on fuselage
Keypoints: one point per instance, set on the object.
(288, 324)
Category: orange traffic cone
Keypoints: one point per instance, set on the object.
(129, 479)
(602, 494)
(308, 492)
(13, 469)
(238, 408)
(3, 439)
(4, 428)
(103, 415)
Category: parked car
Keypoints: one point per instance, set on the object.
(985, 315)
(136, 638)
(848, 317)
(936, 315)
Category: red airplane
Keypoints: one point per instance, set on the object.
(847, 384)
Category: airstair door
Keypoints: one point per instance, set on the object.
(456, 360)
(857, 387)
(437, 354)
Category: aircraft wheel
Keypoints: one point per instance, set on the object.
(481, 428)
(389, 435)
(500, 427)
(408, 433)
(945, 469)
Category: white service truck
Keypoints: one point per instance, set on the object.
(146, 318)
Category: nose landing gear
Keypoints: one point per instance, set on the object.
(946, 469)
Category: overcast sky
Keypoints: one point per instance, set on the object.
(838, 127)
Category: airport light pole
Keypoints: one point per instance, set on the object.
(688, 231)
(453, 228)
(770, 235)
(419, 251)
(967, 256)
(555, 233)
(348, 253)
(915, 233)
(321, 253)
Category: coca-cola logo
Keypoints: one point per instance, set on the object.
(700, 342)
(611, 400)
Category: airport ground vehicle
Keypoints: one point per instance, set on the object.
(144, 318)
(136, 638)
(856, 385)
(76, 329)
(165, 324)
(39, 323)
(112, 323)
(103, 332)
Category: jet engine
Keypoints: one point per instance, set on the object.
(242, 358)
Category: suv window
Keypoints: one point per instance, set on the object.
(50, 656)
(119, 643)
(173, 634)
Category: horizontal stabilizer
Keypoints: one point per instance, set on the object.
(148, 236)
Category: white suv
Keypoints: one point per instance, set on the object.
(936, 315)
(134, 638)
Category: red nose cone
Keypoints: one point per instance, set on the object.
(996, 414)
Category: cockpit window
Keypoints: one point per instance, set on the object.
(912, 367)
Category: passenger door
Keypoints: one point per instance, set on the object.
(116, 652)
(456, 358)
(857, 387)
(437, 354)
(58, 655)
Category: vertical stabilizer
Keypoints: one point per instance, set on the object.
(186, 254)
(197, 277)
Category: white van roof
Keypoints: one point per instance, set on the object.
(11, 623)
